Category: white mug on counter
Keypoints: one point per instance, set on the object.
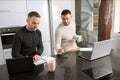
(50, 65)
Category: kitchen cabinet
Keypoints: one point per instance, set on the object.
(2, 61)
(7, 53)
(12, 13)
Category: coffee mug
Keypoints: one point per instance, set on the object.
(50, 65)
(78, 38)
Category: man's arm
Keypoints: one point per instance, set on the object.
(16, 45)
(40, 47)
(58, 38)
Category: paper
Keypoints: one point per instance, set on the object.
(40, 62)
(47, 58)
(43, 60)
(86, 49)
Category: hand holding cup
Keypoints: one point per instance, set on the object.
(78, 38)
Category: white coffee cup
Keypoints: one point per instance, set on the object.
(50, 65)
(78, 38)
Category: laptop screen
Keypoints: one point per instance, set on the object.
(22, 64)
(100, 49)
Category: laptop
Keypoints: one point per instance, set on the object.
(19, 65)
(100, 49)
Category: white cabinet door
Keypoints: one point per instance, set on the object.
(12, 13)
(2, 60)
(41, 6)
(7, 53)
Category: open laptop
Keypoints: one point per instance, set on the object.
(18, 65)
(100, 49)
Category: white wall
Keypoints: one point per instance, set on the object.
(116, 16)
(116, 24)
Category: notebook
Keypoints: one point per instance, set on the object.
(100, 49)
(18, 65)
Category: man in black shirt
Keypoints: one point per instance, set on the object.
(28, 40)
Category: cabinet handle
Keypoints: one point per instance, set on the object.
(4, 10)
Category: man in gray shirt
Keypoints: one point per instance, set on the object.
(28, 40)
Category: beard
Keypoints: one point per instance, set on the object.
(66, 23)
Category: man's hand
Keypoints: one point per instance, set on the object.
(36, 58)
(60, 51)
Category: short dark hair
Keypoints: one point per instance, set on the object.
(65, 12)
(33, 13)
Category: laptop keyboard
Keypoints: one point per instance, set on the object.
(86, 54)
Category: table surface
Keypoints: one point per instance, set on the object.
(72, 68)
